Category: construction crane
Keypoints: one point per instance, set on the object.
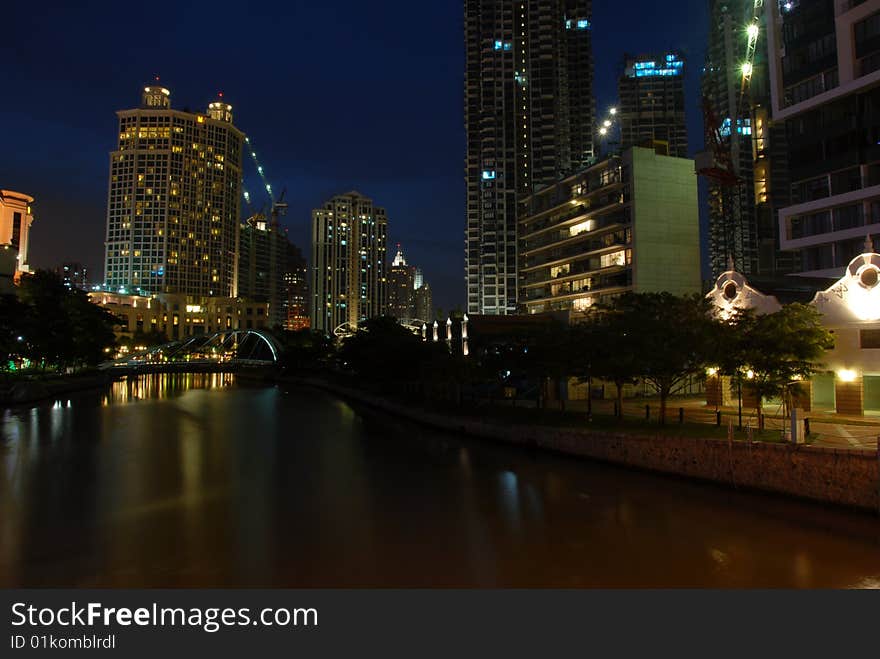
(720, 162)
(277, 207)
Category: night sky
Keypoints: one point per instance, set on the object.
(334, 96)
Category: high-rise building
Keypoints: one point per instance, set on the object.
(401, 287)
(423, 304)
(15, 226)
(73, 275)
(296, 282)
(174, 199)
(628, 223)
(651, 93)
(269, 267)
(349, 280)
(743, 214)
(825, 86)
(529, 113)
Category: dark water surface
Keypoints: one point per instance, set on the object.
(194, 480)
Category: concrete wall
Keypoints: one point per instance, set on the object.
(838, 476)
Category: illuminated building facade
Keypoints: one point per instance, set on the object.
(401, 288)
(15, 227)
(651, 93)
(179, 316)
(174, 200)
(529, 113)
(349, 279)
(296, 283)
(825, 85)
(270, 269)
(628, 223)
(849, 381)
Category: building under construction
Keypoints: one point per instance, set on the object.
(745, 160)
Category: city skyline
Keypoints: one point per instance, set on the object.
(374, 153)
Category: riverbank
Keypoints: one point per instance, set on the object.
(841, 477)
(27, 391)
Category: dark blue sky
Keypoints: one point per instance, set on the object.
(347, 95)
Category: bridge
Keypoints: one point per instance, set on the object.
(230, 350)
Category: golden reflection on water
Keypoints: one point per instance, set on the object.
(159, 386)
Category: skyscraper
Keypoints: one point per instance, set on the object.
(651, 93)
(529, 113)
(174, 199)
(825, 86)
(348, 262)
(401, 286)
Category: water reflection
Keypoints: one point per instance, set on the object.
(197, 480)
(159, 386)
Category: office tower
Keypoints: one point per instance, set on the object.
(651, 93)
(73, 275)
(15, 227)
(269, 267)
(401, 287)
(296, 282)
(348, 281)
(174, 198)
(529, 113)
(743, 209)
(423, 303)
(825, 85)
(418, 278)
(628, 223)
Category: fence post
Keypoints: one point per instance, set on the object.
(647, 412)
(806, 426)
(718, 418)
(681, 415)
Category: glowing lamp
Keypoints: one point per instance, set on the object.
(847, 375)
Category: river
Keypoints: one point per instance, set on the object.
(195, 480)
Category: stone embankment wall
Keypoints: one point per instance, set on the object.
(837, 476)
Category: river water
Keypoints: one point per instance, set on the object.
(194, 480)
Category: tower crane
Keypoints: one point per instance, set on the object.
(720, 162)
(277, 207)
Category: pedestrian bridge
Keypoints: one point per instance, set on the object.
(233, 348)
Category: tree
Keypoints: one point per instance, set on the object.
(60, 327)
(609, 348)
(383, 350)
(783, 348)
(664, 338)
(306, 348)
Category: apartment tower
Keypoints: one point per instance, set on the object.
(174, 199)
(651, 93)
(349, 277)
(529, 119)
(825, 84)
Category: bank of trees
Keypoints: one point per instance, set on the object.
(49, 327)
(659, 338)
